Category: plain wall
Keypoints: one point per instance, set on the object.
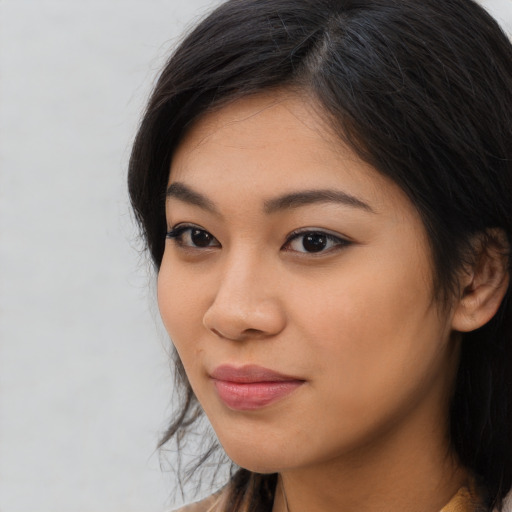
(84, 378)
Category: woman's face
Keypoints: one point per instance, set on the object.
(296, 285)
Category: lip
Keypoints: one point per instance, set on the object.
(252, 387)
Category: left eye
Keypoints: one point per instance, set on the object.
(314, 242)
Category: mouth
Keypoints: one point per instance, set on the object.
(252, 387)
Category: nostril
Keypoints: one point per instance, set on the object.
(242, 319)
(247, 333)
(253, 332)
(216, 332)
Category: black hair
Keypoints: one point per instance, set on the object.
(421, 90)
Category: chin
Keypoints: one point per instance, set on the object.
(258, 459)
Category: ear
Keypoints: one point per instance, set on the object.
(484, 283)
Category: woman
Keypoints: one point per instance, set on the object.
(325, 188)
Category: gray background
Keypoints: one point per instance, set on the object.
(84, 379)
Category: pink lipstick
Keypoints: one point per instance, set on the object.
(251, 387)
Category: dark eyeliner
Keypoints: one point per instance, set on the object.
(338, 239)
(177, 231)
(184, 236)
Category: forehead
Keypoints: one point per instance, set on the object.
(274, 143)
(261, 123)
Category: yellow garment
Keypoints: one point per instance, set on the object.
(466, 500)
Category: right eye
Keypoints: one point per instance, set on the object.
(192, 236)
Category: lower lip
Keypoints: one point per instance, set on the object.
(249, 396)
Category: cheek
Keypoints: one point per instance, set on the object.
(371, 324)
(179, 298)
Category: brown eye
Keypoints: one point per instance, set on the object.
(192, 237)
(201, 238)
(314, 242)
(310, 242)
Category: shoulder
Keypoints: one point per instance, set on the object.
(211, 504)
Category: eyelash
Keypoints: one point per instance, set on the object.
(177, 232)
(337, 242)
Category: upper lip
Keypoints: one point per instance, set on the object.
(248, 373)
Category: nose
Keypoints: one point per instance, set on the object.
(246, 304)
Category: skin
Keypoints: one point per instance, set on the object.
(356, 323)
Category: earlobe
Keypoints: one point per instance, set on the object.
(484, 285)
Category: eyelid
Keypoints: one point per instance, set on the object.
(314, 229)
(180, 227)
(342, 240)
(176, 231)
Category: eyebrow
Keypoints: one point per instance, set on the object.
(187, 195)
(285, 202)
(306, 197)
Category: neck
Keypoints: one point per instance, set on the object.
(418, 475)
